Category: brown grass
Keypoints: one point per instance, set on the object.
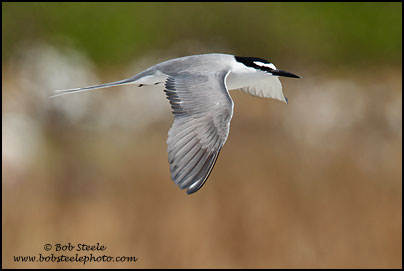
(285, 193)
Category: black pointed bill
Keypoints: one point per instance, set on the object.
(283, 73)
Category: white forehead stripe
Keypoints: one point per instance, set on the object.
(269, 65)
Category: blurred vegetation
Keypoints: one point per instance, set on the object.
(336, 34)
(316, 183)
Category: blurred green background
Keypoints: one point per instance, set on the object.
(316, 183)
(341, 34)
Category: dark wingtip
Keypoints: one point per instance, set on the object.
(189, 191)
(195, 188)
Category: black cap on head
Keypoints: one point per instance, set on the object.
(263, 65)
(249, 61)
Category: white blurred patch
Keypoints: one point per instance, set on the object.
(394, 113)
(41, 68)
(21, 139)
(318, 114)
(343, 116)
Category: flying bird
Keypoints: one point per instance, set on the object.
(197, 88)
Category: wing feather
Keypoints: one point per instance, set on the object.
(202, 110)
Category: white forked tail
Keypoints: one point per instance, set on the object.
(146, 77)
(105, 85)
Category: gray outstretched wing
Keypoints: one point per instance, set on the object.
(202, 110)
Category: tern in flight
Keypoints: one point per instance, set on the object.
(197, 88)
